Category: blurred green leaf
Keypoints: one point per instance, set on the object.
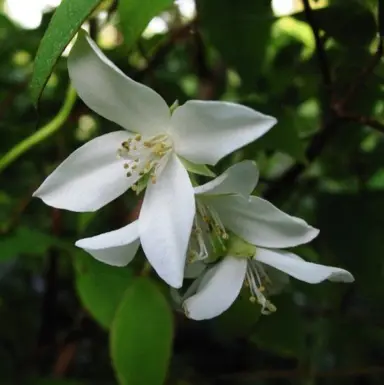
(65, 22)
(100, 287)
(284, 137)
(25, 241)
(141, 335)
(348, 22)
(136, 14)
(240, 30)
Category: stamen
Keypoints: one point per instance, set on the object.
(197, 246)
(144, 156)
(255, 277)
(212, 219)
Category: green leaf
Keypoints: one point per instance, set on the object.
(65, 22)
(136, 14)
(240, 30)
(349, 22)
(100, 287)
(141, 335)
(200, 169)
(284, 137)
(25, 241)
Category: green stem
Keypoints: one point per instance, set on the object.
(42, 133)
(146, 269)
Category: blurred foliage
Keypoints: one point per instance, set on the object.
(323, 161)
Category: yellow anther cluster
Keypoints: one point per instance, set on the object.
(144, 156)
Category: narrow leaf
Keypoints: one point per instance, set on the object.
(141, 335)
(136, 14)
(65, 22)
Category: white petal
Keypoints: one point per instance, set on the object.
(108, 91)
(240, 178)
(217, 293)
(262, 224)
(298, 268)
(90, 177)
(206, 131)
(165, 221)
(116, 248)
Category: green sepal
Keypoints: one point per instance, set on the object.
(142, 183)
(174, 106)
(200, 169)
(237, 247)
(219, 248)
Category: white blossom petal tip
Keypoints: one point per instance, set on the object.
(89, 178)
(341, 275)
(217, 290)
(116, 248)
(206, 131)
(105, 89)
(262, 224)
(241, 178)
(300, 269)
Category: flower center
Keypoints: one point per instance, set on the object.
(208, 237)
(144, 156)
(257, 281)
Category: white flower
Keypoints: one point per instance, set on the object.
(264, 229)
(118, 247)
(150, 146)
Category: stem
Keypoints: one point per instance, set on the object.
(42, 133)
(146, 269)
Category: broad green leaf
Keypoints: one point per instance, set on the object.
(141, 335)
(136, 14)
(65, 22)
(240, 30)
(100, 287)
(200, 169)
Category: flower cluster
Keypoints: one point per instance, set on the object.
(218, 233)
